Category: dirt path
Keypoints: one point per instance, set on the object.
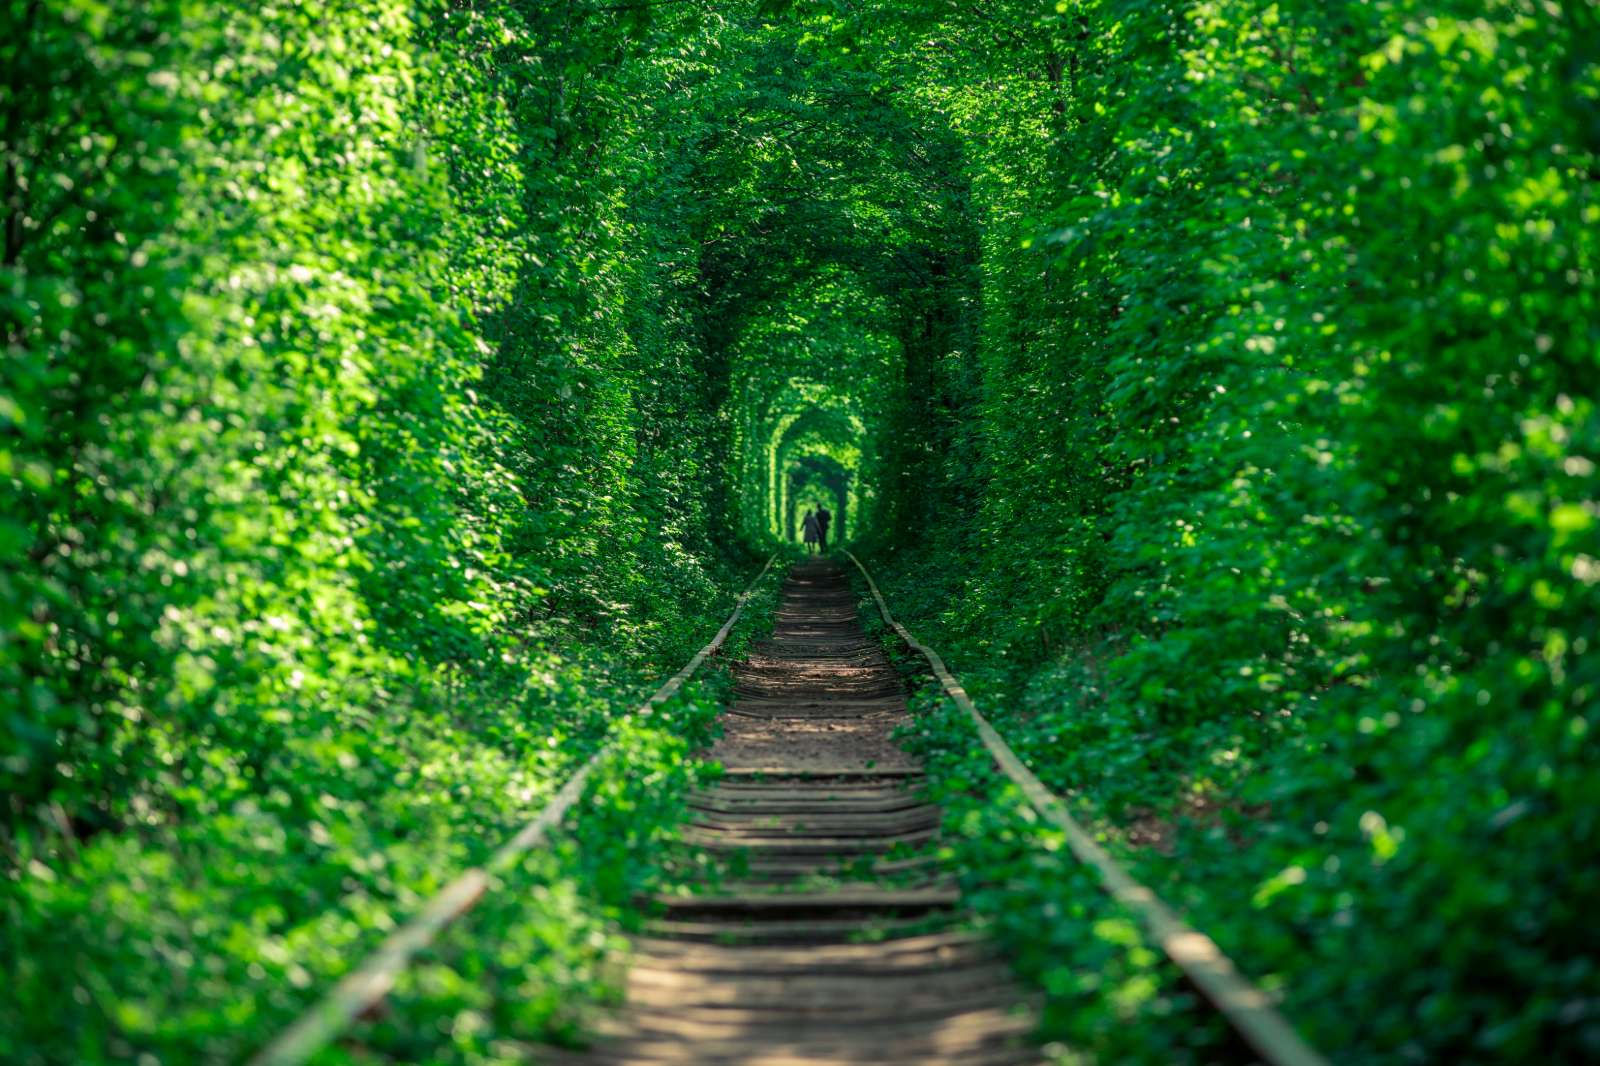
(832, 939)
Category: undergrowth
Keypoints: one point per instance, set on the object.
(546, 950)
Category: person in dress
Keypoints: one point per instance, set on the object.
(812, 530)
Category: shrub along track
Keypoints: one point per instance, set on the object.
(831, 937)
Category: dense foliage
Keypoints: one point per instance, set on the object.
(394, 388)
(351, 477)
(1286, 508)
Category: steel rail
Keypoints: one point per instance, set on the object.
(1248, 1009)
(365, 986)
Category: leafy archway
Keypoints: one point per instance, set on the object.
(816, 479)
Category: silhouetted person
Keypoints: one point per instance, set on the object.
(824, 516)
(812, 530)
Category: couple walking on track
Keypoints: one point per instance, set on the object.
(815, 529)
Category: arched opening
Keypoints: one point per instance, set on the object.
(814, 480)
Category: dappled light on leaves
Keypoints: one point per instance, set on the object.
(394, 390)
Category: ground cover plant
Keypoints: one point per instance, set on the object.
(395, 390)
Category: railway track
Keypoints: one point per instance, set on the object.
(831, 938)
(811, 923)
